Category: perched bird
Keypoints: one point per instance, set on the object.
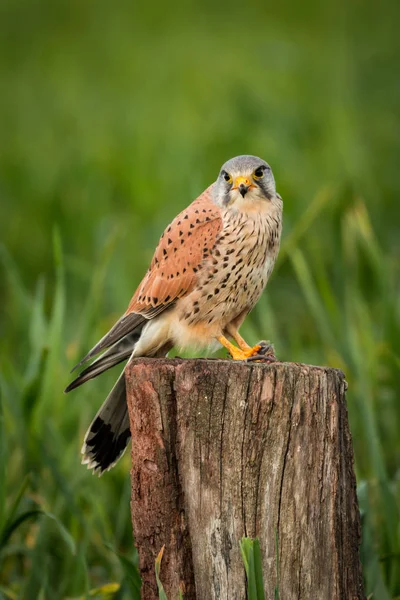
(208, 271)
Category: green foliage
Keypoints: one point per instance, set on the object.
(251, 555)
(161, 592)
(112, 120)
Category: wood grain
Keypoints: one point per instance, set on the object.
(223, 449)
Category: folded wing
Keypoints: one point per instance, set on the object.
(183, 247)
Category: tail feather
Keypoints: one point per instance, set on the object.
(127, 324)
(109, 433)
(116, 354)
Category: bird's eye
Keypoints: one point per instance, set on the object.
(259, 172)
(227, 177)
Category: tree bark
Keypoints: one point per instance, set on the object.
(222, 450)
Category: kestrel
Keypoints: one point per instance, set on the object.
(208, 271)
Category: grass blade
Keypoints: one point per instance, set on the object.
(14, 507)
(132, 577)
(3, 462)
(161, 593)
(251, 555)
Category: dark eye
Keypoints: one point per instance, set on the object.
(259, 172)
(227, 177)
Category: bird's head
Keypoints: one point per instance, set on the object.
(244, 181)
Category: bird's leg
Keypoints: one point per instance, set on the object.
(243, 345)
(242, 353)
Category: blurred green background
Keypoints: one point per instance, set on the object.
(113, 117)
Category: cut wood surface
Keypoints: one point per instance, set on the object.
(222, 450)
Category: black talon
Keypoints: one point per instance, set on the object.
(266, 353)
(265, 358)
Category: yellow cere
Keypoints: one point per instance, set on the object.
(242, 179)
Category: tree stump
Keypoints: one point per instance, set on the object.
(222, 450)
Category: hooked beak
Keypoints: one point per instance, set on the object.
(243, 184)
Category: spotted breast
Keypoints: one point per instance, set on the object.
(233, 277)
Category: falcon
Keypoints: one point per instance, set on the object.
(207, 273)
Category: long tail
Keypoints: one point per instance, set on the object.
(121, 351)
(108, 435)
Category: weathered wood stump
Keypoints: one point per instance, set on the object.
(223, 450)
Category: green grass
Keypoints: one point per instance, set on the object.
(112, 120)
(252, 561)
(251, 554)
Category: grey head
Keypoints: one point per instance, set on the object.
(244, 178)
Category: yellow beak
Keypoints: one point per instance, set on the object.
(243, 184)
(245, 180)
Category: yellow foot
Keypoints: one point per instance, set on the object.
(237, 353)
